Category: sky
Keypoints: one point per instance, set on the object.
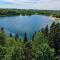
(31, 4)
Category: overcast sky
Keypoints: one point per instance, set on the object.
(31, 4)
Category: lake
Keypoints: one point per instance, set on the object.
(22, 24)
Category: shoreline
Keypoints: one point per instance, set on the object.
(54, 18)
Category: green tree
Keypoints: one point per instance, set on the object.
(25, 38)
(54, 36)
(16, 36)
(28, 51)
(17, 54)
(10, 35)
(2, 52)
(42, 50)
(2, 37)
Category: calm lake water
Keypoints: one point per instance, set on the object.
(21, 24)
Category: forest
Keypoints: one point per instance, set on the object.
(29, 12)
(44, 45)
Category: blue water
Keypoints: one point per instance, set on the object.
(21, 24)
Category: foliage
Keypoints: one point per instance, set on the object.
(29, 12)
(42, 48)
(43, 45)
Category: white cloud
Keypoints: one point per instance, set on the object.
(11, 1)
(50, 5)
(35, 4)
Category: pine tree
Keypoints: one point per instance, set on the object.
(42, 30)
(25, 38)
(16, 36)
(57, 37)
(2, 29)
(54, 36)
(46, 30)
(2, 37)
(10, 35)
(53, 26)
(33, 36)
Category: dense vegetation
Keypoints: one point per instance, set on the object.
(45, 45)
(14, 12)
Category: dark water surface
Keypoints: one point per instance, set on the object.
(21, 24)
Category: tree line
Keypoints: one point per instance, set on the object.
(29, 12)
